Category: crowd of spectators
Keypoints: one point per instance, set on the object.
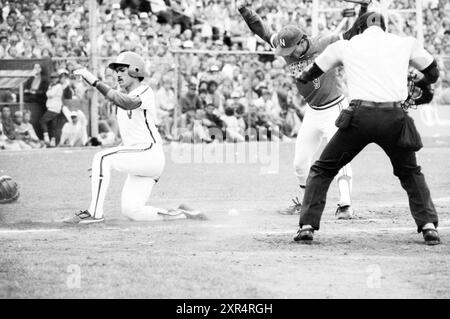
(227, 92)
(16, 131)
(60, 28)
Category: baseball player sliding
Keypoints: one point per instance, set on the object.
(323, 95)
(141, 156)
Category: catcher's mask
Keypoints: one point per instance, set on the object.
(417, 94)
(134, 62)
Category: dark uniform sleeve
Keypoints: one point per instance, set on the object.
(355, 28)
(120, 99)
(123, 100)
(257, 26)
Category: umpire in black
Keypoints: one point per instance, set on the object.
(376, 64)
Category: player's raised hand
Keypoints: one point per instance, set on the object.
(86, 75)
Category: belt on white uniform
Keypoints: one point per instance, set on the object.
(329, 104)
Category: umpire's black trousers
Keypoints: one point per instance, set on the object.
(369, 125)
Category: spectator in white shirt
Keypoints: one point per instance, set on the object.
(54, 106)
(165, 104)
(232, 126)
(73, 132)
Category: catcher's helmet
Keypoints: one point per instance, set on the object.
(134, 62)
(9, 190)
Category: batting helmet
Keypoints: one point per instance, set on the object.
(9, 190)
(134, 62)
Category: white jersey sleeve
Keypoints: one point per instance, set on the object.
(320, 43)
(419, 58)
(332, 56)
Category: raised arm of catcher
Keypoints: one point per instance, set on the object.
(120, 99)
(256, 24)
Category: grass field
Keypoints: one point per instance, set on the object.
(245, 253)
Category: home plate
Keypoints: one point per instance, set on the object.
(20, 231)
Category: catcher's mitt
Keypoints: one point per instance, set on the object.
(417, 94)
(9, 190)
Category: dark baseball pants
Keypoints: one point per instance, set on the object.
(369, 125)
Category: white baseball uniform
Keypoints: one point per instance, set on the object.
(141, 157)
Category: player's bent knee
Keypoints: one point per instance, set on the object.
(323, 170)
(101, 157)
(97, 157)
(406, 172)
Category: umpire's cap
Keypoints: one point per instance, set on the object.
(134, 62)
(288, 39)
(370, 19)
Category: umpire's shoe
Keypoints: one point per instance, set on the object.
(304, 234)
(431, 236)
(83, 217)
(344, 212)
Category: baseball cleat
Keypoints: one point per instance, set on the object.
(431, 236)
(293, 209)
(83, 217)
(304, 234)
(344, 212)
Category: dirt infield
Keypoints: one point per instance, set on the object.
(247, 252)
